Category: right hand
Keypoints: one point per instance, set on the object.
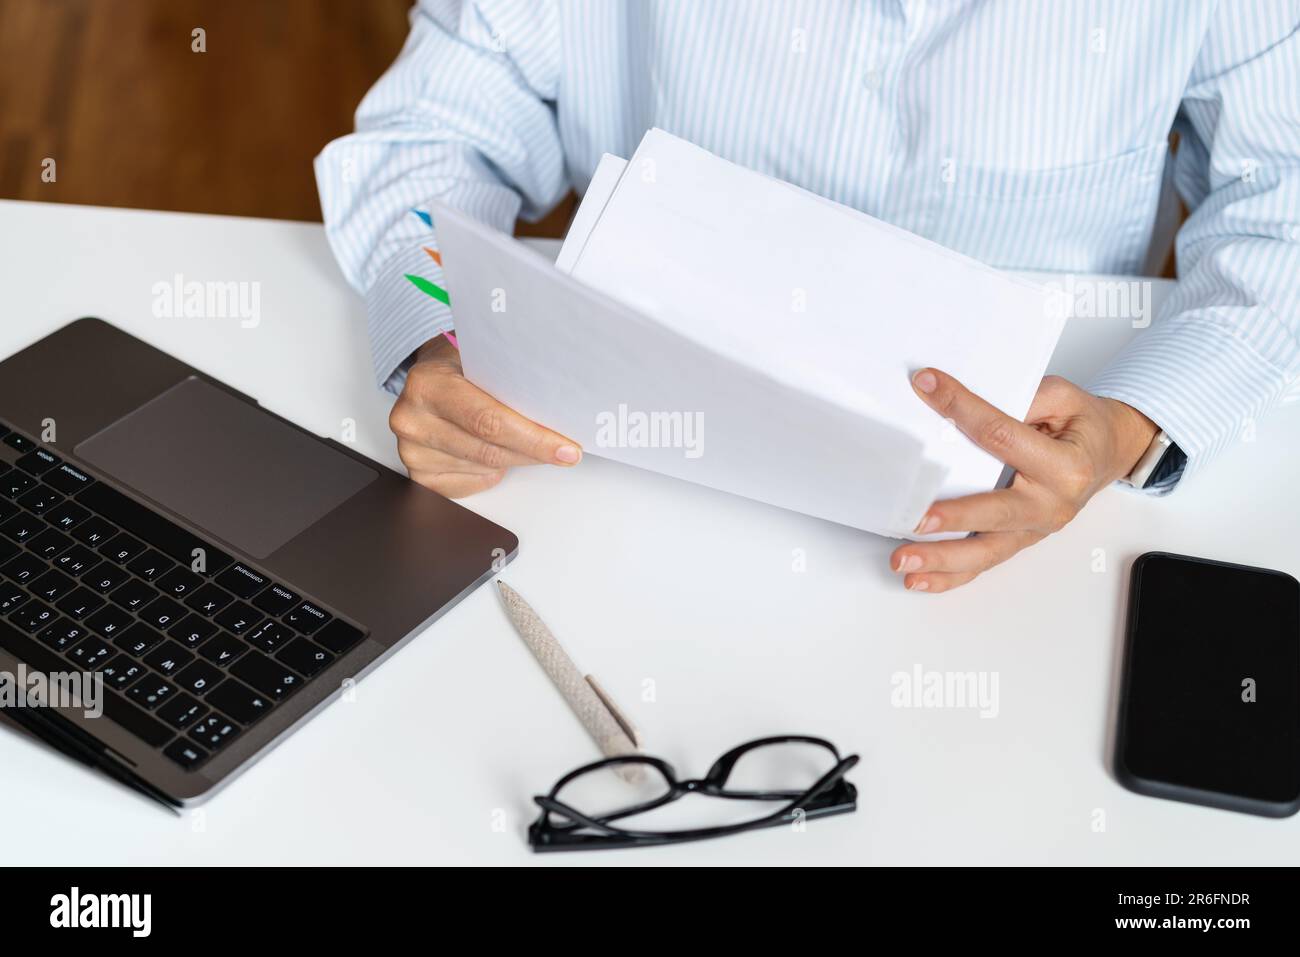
(455, 438)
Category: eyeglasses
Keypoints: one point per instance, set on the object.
(569, 822)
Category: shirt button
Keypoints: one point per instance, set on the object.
(872, 80)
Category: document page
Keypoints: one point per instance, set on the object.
(631, 389)
(820, 296)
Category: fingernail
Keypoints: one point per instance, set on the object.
(925, 381)
(919, 585)
(910, 563)
(568, 454)
(928, 524)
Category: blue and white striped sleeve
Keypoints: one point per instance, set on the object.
(1225, 347)
(464, 115)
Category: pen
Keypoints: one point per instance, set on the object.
(613, 733)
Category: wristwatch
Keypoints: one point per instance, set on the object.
(1160, 460)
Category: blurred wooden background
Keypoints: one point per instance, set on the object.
(111, 90)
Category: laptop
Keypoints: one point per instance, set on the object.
(226, 573)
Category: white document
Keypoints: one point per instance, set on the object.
(733, 330)
(843, 304)
(588, 366)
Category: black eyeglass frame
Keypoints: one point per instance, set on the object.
(829, 794)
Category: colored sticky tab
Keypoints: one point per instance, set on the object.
(433, 254)
(429, 289)
(428, 220)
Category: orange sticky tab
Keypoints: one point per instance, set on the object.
(433, 254)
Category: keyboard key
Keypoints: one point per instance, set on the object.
(168, 658)
(242, 580)
(11, 596)
(178, 583)
(223, 649)
(138, 639)
(91, 653)
(80, 602)
(94, 532)
(238, 618)
(63, 634)
(19, 443)
(150, 565)
(38, 461)
(266, 675)
(182, 711)
(23, 568)
(338, 636)
(193, 630)
(7, 511)
(133, 594)
(40, 499)
(22, 527)
(185, 753)
(269, 636)
(163, 613)
(150, 691)
(306, 618)
(169, 538)
(110, 621)
(66, 516)
(25, 649)
(304, 657)
(104, 577)
(77, 560)
(122, 671)
(14, 483)
(122, 548)
(276, 600)
(240, 702)
(49, 543)
(67, 479)
(52, 586)
(209, 600)
(33, 616)
(143, 726)
(199, 678)
(213, 731)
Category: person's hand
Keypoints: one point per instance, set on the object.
(455, 438)
(1071, 445)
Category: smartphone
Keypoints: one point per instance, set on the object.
(1209, 707)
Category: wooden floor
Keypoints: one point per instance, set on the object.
(113, 93)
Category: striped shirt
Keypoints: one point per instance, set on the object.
(1026, 133)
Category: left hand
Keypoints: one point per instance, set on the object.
(1071, 445)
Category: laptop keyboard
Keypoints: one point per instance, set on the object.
(194, 646)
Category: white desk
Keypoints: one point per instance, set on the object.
(647, 580)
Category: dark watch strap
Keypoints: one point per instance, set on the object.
(1171, 463)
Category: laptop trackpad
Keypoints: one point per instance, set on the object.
(226, 466)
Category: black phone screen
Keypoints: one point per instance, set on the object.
(1211, 694)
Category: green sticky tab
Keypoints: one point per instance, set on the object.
(429, 289)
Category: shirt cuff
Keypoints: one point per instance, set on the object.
(400, 317)
(1195, 380)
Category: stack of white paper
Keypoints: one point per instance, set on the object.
(731, 329)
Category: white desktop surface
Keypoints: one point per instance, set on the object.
(654, 585)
